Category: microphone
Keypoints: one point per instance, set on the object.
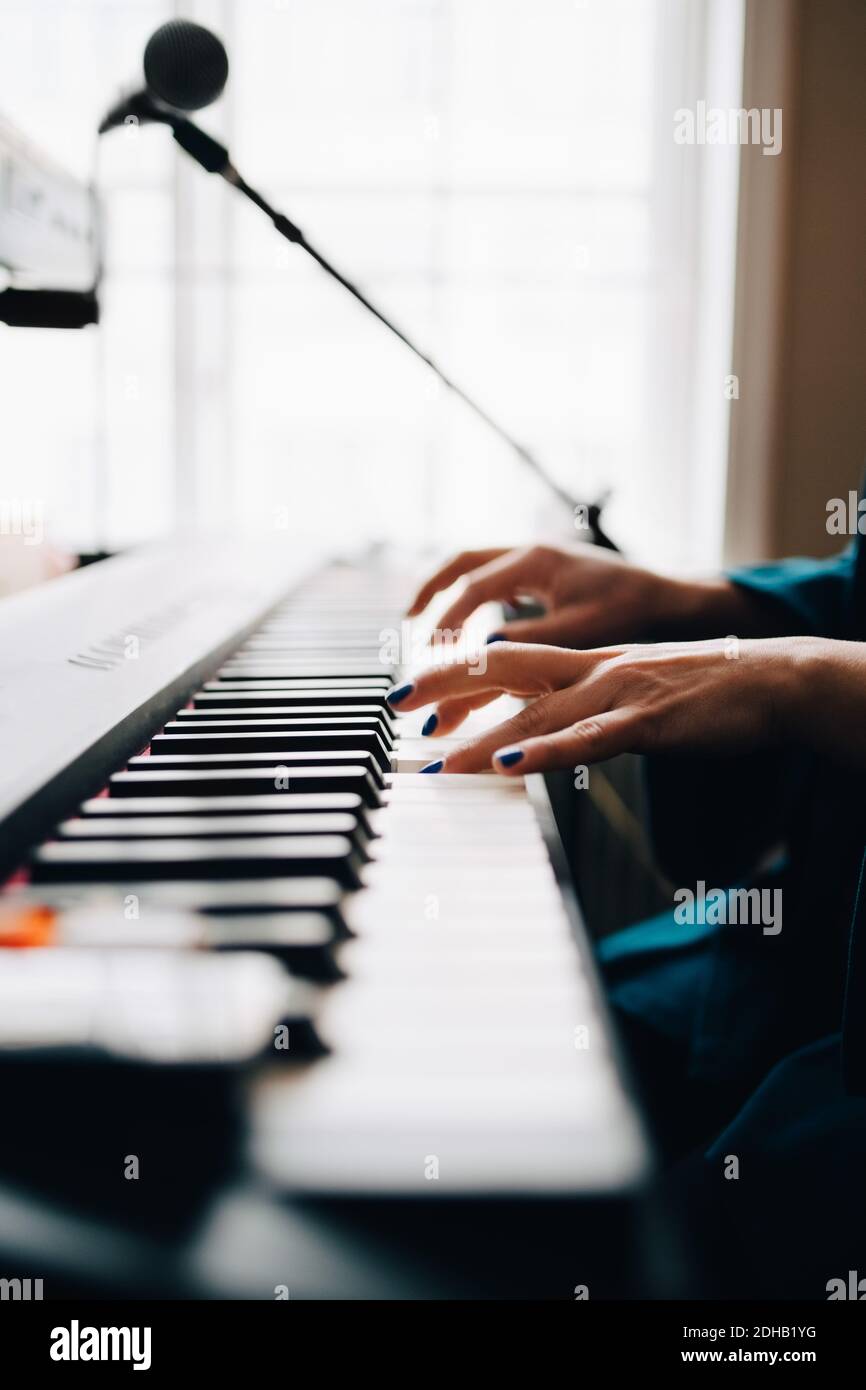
(186, 68)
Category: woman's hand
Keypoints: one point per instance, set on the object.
(590, 595)
(716, 696)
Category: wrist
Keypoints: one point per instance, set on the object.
(800, 677)
(697, 607)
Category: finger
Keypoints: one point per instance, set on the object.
(499, 580)
(446, 575)
(507, 667)
(578, 625)
(545, 715)
(557, 629)
(451, 713)
(591, 740)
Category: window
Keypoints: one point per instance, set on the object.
(500, 176)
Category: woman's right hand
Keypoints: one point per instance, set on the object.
(592, 597)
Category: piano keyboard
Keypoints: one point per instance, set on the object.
(447, 1033)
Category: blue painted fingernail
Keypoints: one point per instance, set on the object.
(509, 756)
(495, 637)
(433, 767)
(395, 696)
(431, 724)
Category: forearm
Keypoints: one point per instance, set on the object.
(782, 598)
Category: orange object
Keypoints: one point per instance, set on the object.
(27, 926)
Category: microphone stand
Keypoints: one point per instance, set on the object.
(214, 158)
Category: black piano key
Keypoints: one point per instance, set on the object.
(107, 861)
(304, 941)
(232, 781)
(296, 717)
(254, 896)
(285, 696)
(208, 722)
(323, 637)
(279, 804)
(288, 647)
(282, 765)
(329, 642)
(211, 897)
(268, 721)
(320, 626)
(274, 742)
(127, 827)
(295, 670)
(297, 713)
(298, 683)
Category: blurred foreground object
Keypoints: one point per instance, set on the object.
(25, 562)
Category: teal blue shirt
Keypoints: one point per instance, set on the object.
(815, 597)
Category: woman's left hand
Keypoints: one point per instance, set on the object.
(727, 695)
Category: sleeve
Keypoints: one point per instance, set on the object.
(803, 595)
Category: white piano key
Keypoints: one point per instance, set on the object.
(449, 784)
(365, 913)
(466, 933)
(435, 968)
(341, 1097)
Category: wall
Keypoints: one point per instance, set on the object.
(798, 432)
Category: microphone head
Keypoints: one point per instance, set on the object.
(185, 65)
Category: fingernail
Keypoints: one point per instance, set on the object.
(431, 723)
(495, 637)
(395, 696)
(509, 756)
(433, 767)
